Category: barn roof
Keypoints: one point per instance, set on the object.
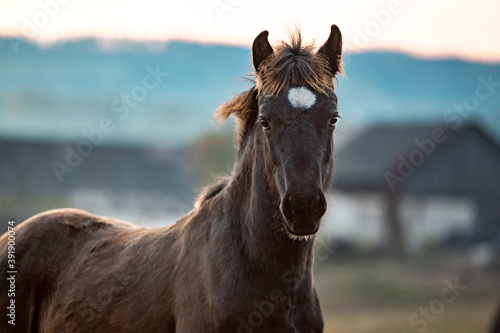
(378, 152)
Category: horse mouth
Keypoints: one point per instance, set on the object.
(299, 226)
(300, 234)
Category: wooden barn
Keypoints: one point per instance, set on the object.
(137, 183)
(422, 183)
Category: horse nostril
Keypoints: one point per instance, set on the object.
(315, 201)
(319, 205)
(296, 204)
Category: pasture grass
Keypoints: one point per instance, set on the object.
(466, 316)
(373, 295)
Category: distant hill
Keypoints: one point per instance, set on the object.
(66, 90)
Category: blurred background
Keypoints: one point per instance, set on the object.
(106, 106)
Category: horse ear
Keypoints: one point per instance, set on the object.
(332, 50)
(261, 49)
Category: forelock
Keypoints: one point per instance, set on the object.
(294, 64)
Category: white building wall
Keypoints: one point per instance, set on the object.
(359, 217)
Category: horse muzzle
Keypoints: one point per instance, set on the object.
(303, 211)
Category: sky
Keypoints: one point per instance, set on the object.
(464, 29)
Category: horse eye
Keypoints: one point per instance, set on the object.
(333, 120)
(265, 124)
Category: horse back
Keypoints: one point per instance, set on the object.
(46, 246)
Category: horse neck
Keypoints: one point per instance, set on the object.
(255, 199)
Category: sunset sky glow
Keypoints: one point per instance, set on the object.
(462, 29)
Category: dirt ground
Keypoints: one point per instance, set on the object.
(433, 293)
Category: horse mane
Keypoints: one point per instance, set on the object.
(209, 192)
(293, 63)
(243, 106)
